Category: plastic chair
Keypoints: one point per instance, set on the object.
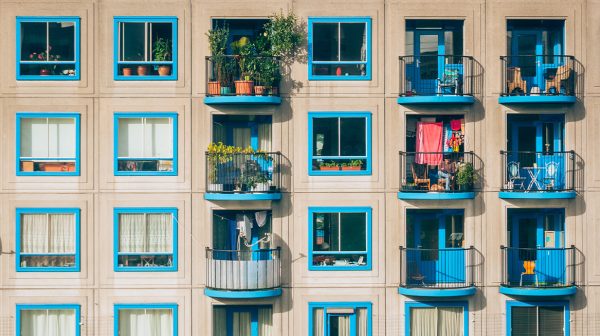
(514, 175)
(529, 266)
(550, 176)
(449, 80)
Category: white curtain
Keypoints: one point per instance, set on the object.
(440, 321)
(241, 324)
(264, 137)
(48, 137)
(145, 232)
(48, 322)
(318, 322)
(219, 321)
(450, 321)
(423, 322)
(265, 322)
(145, 322)
(48, 233)
(241, 137)
(344, 325)
(145, 138)
(362, 322)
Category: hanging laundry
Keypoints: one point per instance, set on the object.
(455, 124)
(429, 140)
(447, 137)
(261, 218)
(244, 225)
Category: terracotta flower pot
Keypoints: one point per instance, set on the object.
(244, 87)
(164, 70)
(351, 168)
(142, 70)
(329, 168)
(44, 72)
(127, 71)
(260, 90)
(214, 88)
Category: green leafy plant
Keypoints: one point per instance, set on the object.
(244, 50)
(329, 164)
(162, 49)
(217, 41)
(284, 34)
(465, 177)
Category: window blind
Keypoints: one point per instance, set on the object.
(145, 138)
(48, 137)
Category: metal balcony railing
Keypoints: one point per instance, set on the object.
(236, 270)
(243, 173)
(538, 267)
(540, 75)
(231, 75)
(438, 171)
(432, 75)
(538, 171)
(437, 268)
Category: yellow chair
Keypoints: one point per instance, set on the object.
(529, 266)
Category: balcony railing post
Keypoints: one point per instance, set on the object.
(573, 271)
(503, 257)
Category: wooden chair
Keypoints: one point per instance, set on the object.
(420, 181)
(514, 80)
(561, 79)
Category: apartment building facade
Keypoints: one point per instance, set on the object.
(421, 168)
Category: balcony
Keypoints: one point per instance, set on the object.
(226, 84)
(243, 177)
(538, 271)
(437, 175)
(534, 79)
(236, 274)
(448, 272)
(439, 79)
(538, 175)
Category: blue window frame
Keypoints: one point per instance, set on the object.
(255, 319)
(48, 144)
(339, 143)
(32, 318)
(156, 315)
(537, 318)
(145, 144)
(339, 238)
(329, 318)
(48, 240)
(145, 239)
(48, 48)
(339, 48)
(440, 308)
(145, 48)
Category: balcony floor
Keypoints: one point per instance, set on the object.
(252, 294)
(242, 100)
(436, 195)
(537, 194)
(542, 292)
(438, 99)
(436, 292)
(558, 99)
(242, 196)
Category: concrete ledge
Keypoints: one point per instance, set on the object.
(436, 292)
(440, 99)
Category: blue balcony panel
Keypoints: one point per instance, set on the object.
(537, 194)
(242, 197)
(439, 99)
(252, 294)
(436, 195)
(437, 292)
(539, 292)
(558, 99)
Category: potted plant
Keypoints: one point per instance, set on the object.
(284, 35)
(45, 70)
(162, 53)
(465, 176)
(331, 165)
(243, 50)
(217, 41)
(262, 182)
(352, 165)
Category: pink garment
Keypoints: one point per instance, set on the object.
(455, 124)
(429, 139)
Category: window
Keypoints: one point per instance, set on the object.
(48, 48)
(437, 318)
(59, 319)
(340, 143)
(242, 320)
(146, 319)
(339, 48)
(339, 318)
(48, 144)
(537, 318)
(145, 48)
(145, 144)
(47, 240)
(145, 239)
(339, 238)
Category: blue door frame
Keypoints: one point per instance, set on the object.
(550, 258)
(445, 266)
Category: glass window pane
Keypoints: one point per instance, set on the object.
(33, 41)
(353, 232)
(551, 321)
(132, 41)
(161, 30)
(428, 45)
(423, 321)
(48, 322)
(325, 137)
(339, 325)
(144, 322)
(158, 138)
(353, 137)
(62, 137)
(450, 321)
(353, 45)
(34, 137)
(454, 231)
(325, 42)
(219, 321)
(62, 41)
(523, 321)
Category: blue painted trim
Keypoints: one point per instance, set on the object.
(434, 292)
(248, 100)
(368, 158)
(117, 212)
(510, 304)
(369, 263)
(257, 294)
(24, 211)
(27, 115)
(537, 195)
(148, 115)
(541, 292)
(326, 305)
(21, 307)
(413, 304)
(77, 62)
(340, 19)
(173, 306)
(242, 197)
(435, 195)
(152, 19)
(441, 99)
(537, 99)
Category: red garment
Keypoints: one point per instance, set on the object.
(429, 139)
(455, 124)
